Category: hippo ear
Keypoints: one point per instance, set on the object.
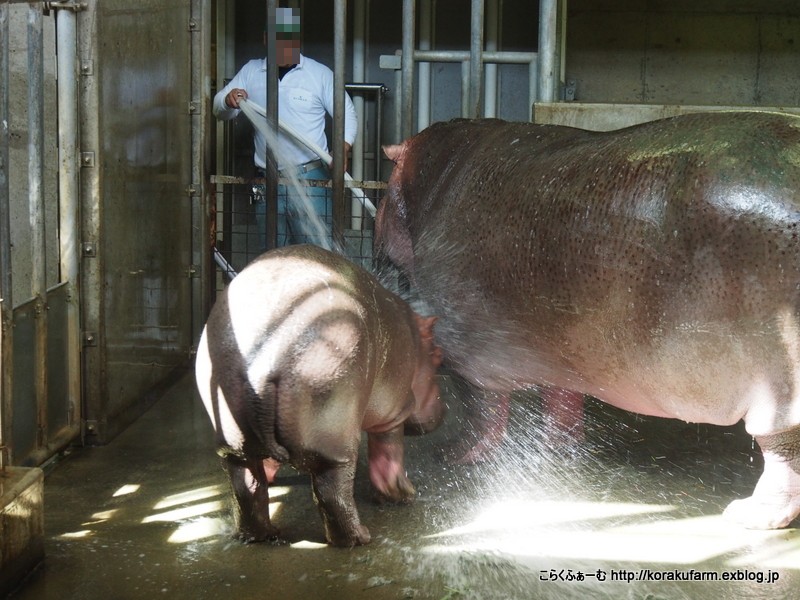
(429, 323)
(425, 326)
(394, 152)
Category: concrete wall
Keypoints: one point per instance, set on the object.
(715, 52)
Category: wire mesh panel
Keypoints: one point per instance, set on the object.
(240, 224)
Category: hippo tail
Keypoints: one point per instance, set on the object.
(266, 408)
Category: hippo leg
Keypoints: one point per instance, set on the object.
(386, 470)
(271, 467)
(563, 410)
(776, 500)
(488, 419)
(332, 485)
(250, 483)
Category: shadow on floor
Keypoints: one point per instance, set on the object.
(633, 513)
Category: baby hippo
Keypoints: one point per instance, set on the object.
(302, 352)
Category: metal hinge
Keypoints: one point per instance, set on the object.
(193, 25)
(89, 338)
(89, 249)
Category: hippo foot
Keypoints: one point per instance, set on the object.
(763, 513)
(386, 467)
(776, 500)
(483, 450)
(391, 484)
(487, 420)
(359, 536)
(400, 493)
(256, 535)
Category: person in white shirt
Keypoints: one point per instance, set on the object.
(305, 96)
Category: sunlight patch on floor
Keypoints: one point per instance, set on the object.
(199, 529)
(640, 533)
(187, 512)
(130, 488)
(196, 495)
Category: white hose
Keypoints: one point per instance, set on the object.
(249, 108)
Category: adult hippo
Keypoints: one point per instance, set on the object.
(300, 354)
(656, 268)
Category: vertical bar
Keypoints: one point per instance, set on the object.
(476, 60)
(271, 186)
(378, 130)
(5, 198)
(360, 21)
(203, 198)
(36, 207)
(5, 234)
(493, 13)
(36, 147)
(425, 72)
(69, 226)
(337, 177)
(548, 12)
(407, 69)
(94, 354)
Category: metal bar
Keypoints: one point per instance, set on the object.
(359, 74)
(379, 90)
(69, 225)
(95, 383)
(365, 87)
(337, 176)
(464, 56)
(271, 187)
(378, 133)
(425, 73)
(533, 71)
(36, 208)
(35, 148)
(5, 198)
(548, 14)
(407, 69)
(201, 200)
(476, 60)
(233, 180)
(5, 238)
(493, 12)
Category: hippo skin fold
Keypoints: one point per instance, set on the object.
(656, 268)
(302, 352)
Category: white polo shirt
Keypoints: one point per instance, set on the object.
(305, 94)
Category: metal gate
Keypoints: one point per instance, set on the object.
(100, 213)
(39, 351)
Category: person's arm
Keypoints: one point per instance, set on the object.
(226, 101)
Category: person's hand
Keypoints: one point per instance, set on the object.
(233, 97)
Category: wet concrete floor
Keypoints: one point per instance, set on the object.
(622, 516)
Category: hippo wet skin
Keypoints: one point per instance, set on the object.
(656, 268)
(300, 354)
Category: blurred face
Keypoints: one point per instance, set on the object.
(288, 51)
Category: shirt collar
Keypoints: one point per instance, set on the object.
(299, 65)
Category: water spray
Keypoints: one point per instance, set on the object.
(253, 111)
